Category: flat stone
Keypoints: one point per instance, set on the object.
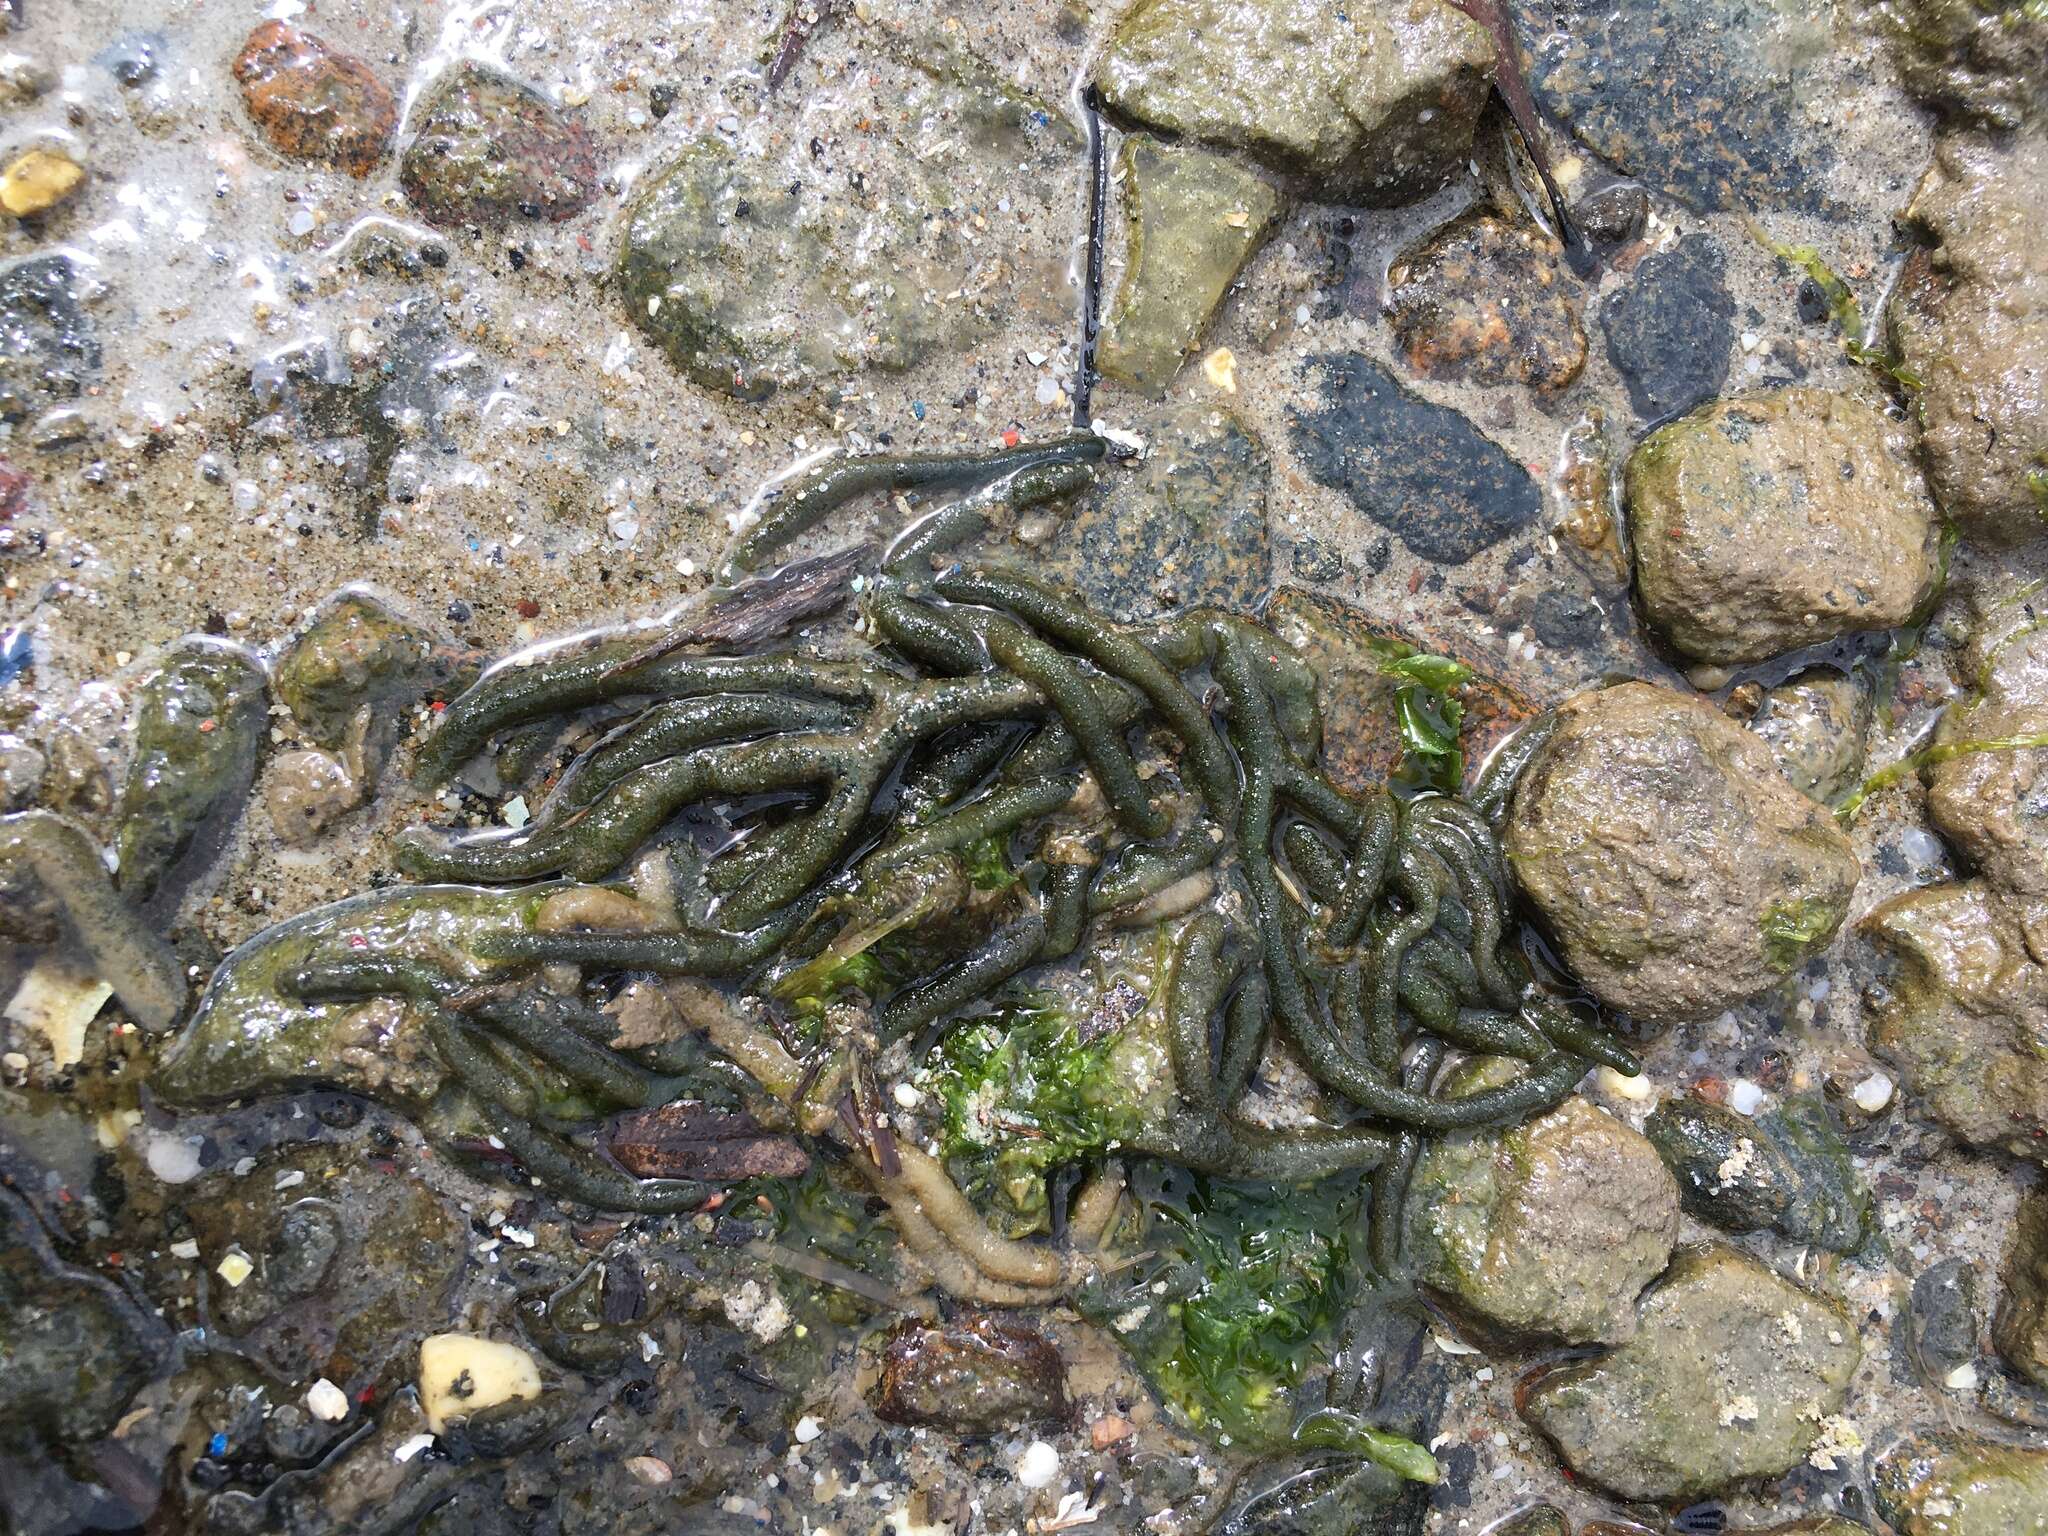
(1421, 471)
(1488, 300)
(488, 149)
(1970, 321)
(1193, 220)
(314, 101)
(1960, 1484)
(49, 347)
(1961, 1021)
(1945, 1318)
(2021, 1328)
(1701, 98)
(1349, 650)
(1372, 103)
(1729, 1374)
(1186, 525)
(1676, 869)
(69, 1362)
(1671, 329)
(1550, 1229)
(1774, 521)
(754, 274)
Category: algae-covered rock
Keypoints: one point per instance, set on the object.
(1970, 321)
(1815, 725)
(1488, 300)
(1786, 1170)
(1984, 61)
(1678, 871)
(201, 720)
(1373, 103)
(752, 274)
(1186, 526)
(1774, 521)
(1350, 652)
(1960, 1484)
(1990, 804)
(1729, 1374)
(1194, 220)
(1420, 470)
(1552, 1228)
(2021, 1328)
(1962, 1019)
(977, 1375)
(359, 653)
(485, 148)
(249, 1037)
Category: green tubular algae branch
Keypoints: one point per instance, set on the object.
(790, 513)
(61, 864)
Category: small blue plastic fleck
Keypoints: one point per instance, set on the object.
(218, 1445)
(917, 409)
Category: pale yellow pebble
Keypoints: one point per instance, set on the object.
(1221, 368)
(38, 181)
(462, 1374)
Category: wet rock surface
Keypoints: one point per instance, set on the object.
(1670, 331)
(1945, 1317)
(1958, 1016)
(1786, 1170)
(1980, 60)
(1488, 301)
(1550, 1229)
(1374, 103)
(49, 343)
(1421, 471)
(485, 148)
(1770, 522)
(1728, 1376)
(978, 1375)
(1960, 1484)
(314, 101)
(1634, 83)
(1187, 525)
(1989, 804)
(1193, 220)
(1816, 725)
(1677, 869)
(2020, 1329)
(70, 1359)
(1970, 321)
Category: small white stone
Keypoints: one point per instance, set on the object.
(234, 1267)
(651, 1470)
(326, 1402)
(185, 1248)
(808, 1429)
(1964, 1377)
(907, 1096)
(1873, 1093)
(1637, 1090)
(412, 1447)
(1038, 1466)
(1745, 1097)
(515, 813)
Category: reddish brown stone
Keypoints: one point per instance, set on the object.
(691, 1140)
(313, 101)
(1490, 302)
(975, 1375)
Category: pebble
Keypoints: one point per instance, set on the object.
(234, 1267)
(1038, 1466)
(326, 1401)
(38, 181)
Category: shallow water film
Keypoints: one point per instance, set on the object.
(1197, 767)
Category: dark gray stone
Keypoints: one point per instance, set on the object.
(1701, 98)
(1421, 471)
(48, 349)
(1670, 330)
